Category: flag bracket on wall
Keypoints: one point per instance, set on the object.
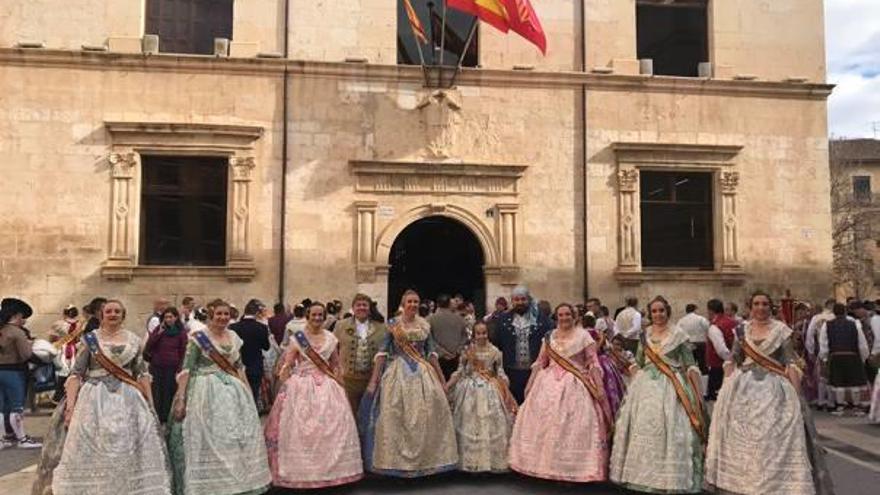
(504, 15)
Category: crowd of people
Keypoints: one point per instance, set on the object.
(572, 393)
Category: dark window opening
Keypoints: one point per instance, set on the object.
(183, 211)
(675, 35)
(189, 26)
(862, 188)
(458, 26)
(676, 210)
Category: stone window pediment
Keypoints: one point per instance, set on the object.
(632, 158)
(128, 142)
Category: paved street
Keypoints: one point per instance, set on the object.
(853, 458)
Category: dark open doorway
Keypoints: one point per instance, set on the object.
(437, 255)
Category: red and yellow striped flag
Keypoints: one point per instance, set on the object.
(492, 12)
(524, 22)
(414, 22)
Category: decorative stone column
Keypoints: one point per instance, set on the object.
(239, 261)
(366, 240)
(366, 231)
(120, 264)
(507, 233)
(630, 251)
(729, 182)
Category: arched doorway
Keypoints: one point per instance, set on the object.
(437, 255)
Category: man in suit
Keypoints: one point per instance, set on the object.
(519, 335)
(449, 331)
(255, 338)
(360, 338)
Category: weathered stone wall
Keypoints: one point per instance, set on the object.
(54, 104)
(56, 206)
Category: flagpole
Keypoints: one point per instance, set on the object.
(422, 61)
(442, 46)
(467, 46)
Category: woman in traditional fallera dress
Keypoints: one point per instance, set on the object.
(658, 438)
(614, 365)
(762, 439)
(311, 434)
(113, 444)
(483, 407)
(216, 444)
(406, 422)
(561, 429)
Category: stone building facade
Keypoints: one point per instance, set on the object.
(855, 173)
(542, 159)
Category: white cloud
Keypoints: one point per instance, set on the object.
(853, 48)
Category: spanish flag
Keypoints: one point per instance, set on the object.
(414, 22)
(492, 12)
(505, 15)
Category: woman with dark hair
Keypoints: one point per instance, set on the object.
(16, 348)
(216, 443)
(762, 438)
(482, 406)
(113, 444)
(661, 426)
(405, 418)
(164, 350)
(301, 454)
(613, 364)
(65, 334)
(561, 432)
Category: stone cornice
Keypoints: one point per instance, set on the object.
(408, 74)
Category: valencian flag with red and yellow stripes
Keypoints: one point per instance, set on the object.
(506, 15)
(414, 22)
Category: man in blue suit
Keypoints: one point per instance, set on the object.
(518, 334)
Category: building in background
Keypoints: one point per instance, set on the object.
(291, 148)
(855, 174)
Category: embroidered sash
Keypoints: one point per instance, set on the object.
(109, 366)
(72, 336)
(208, 348)
(592, 388)
(316, 358)
(694, 415)
(504, 392)
(763, 360)
(409, 350)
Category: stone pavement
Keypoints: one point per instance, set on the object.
(853, 459)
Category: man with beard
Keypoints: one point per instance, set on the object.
(519, 334)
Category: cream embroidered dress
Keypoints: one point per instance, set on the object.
(482, 421)
(762, 439)
(311, 434)
(113, 443)
(655, 448)
(407, 424)
(218, 448)
(560, 431)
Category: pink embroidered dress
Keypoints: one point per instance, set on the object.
(560, 431)
(311, 436)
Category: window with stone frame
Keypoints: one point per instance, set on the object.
(676, 219)
(674, 34)
(189, 26)
(862, 188)
(457, 29)
(183, 210)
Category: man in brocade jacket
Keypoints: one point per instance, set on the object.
(518, 334)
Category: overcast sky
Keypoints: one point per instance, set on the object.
(853, 44)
